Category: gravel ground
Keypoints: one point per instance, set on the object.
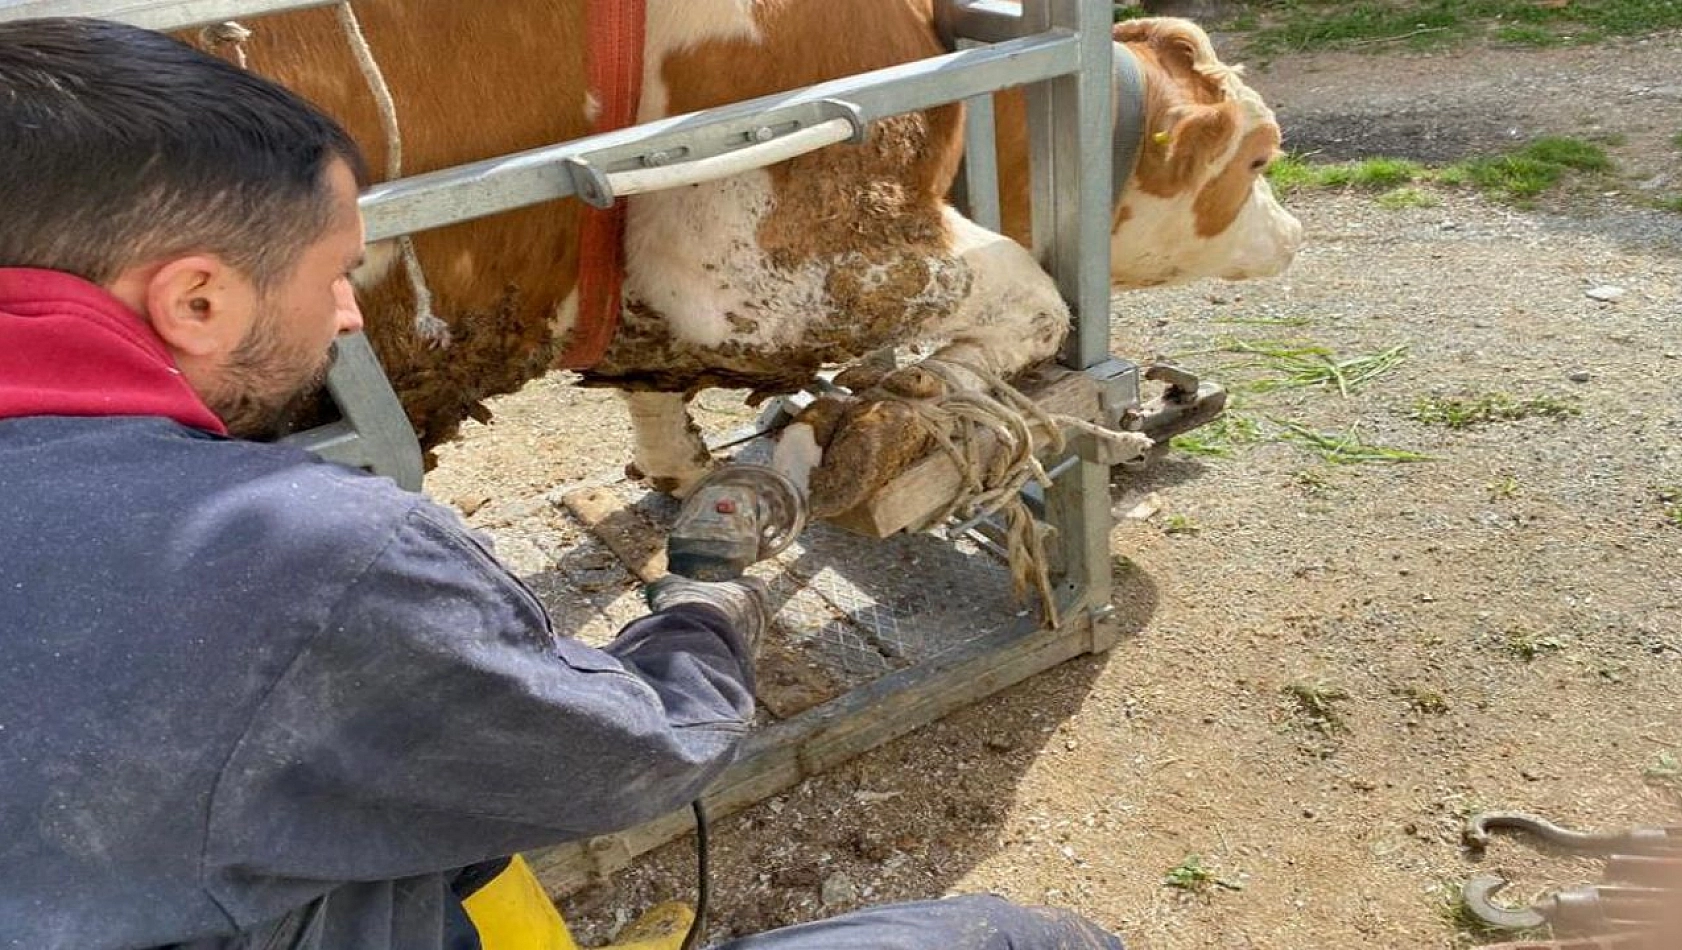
(1494, 626)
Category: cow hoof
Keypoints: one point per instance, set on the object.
(861, 377)
(678, 486)
(873, 443)
(668, 486)
(913, 382)
(825, 416)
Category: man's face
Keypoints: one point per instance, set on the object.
(284, 357)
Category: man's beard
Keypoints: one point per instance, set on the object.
(265, 385)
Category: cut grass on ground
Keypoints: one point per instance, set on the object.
(1318, 701)
(1219, 438)
(1223, 437)
(1345, 448)
(1516, 176)
(1180, 524)
(1280, 365)
(1463, 412)
(1528, 646)
(1193, 875)
(1665, 771)
(1298, 25)
(1671, 498)
(1298, 365)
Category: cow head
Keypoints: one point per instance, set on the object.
(1198, 203)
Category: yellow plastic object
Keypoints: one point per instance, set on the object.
(661, 927)
(513, 913)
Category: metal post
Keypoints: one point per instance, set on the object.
(1070, 132)
(1083, 154)
(374, 434)
(978, 183)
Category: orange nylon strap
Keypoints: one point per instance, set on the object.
(615, 29)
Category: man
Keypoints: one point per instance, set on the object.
(249, 698)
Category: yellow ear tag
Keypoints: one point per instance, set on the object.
(1160, 138)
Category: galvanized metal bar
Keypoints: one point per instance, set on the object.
(1072, 143)
(375, 433)
(513, 181)
(162, 15)
(980, 183)
(1084, 141)
(1042, 190)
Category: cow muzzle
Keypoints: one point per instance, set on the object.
(1267, 240)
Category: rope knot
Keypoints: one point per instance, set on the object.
(986, 427)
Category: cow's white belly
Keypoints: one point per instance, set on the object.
(693, 256)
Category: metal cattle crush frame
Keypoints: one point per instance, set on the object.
(907, 653)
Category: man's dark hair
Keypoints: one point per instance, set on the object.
(120, 146)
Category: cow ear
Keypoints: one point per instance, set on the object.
(1146, 30)
(1181, 47)
(1177, 153)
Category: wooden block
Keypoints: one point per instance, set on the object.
(922, 490)
(641, 546)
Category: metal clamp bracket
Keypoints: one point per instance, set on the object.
(684, 156)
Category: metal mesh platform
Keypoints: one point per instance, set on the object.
(872, 638)
(857, 607)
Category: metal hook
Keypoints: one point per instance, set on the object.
(1477, 894)
(1640, 840)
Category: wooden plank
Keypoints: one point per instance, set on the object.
(783, 755)
(922, 490)
(641, 546)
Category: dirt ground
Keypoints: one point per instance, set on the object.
(1499, 626)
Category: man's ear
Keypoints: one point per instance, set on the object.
(200, 305)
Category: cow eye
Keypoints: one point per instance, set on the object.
(1258, 164)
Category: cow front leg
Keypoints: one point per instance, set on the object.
(670, 454)
(1012, 319)
(1013, 316)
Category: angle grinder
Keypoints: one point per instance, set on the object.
(744, 513)
(737, 516)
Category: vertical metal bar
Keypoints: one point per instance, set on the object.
(981, 159)
(1036, 18)
(1082, 152)
(1077, 254)
(375, 434)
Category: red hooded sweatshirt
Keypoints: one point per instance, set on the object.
(69, 348)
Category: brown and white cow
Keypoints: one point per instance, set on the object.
(760, 279)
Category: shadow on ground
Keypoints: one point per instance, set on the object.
(905, 819)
